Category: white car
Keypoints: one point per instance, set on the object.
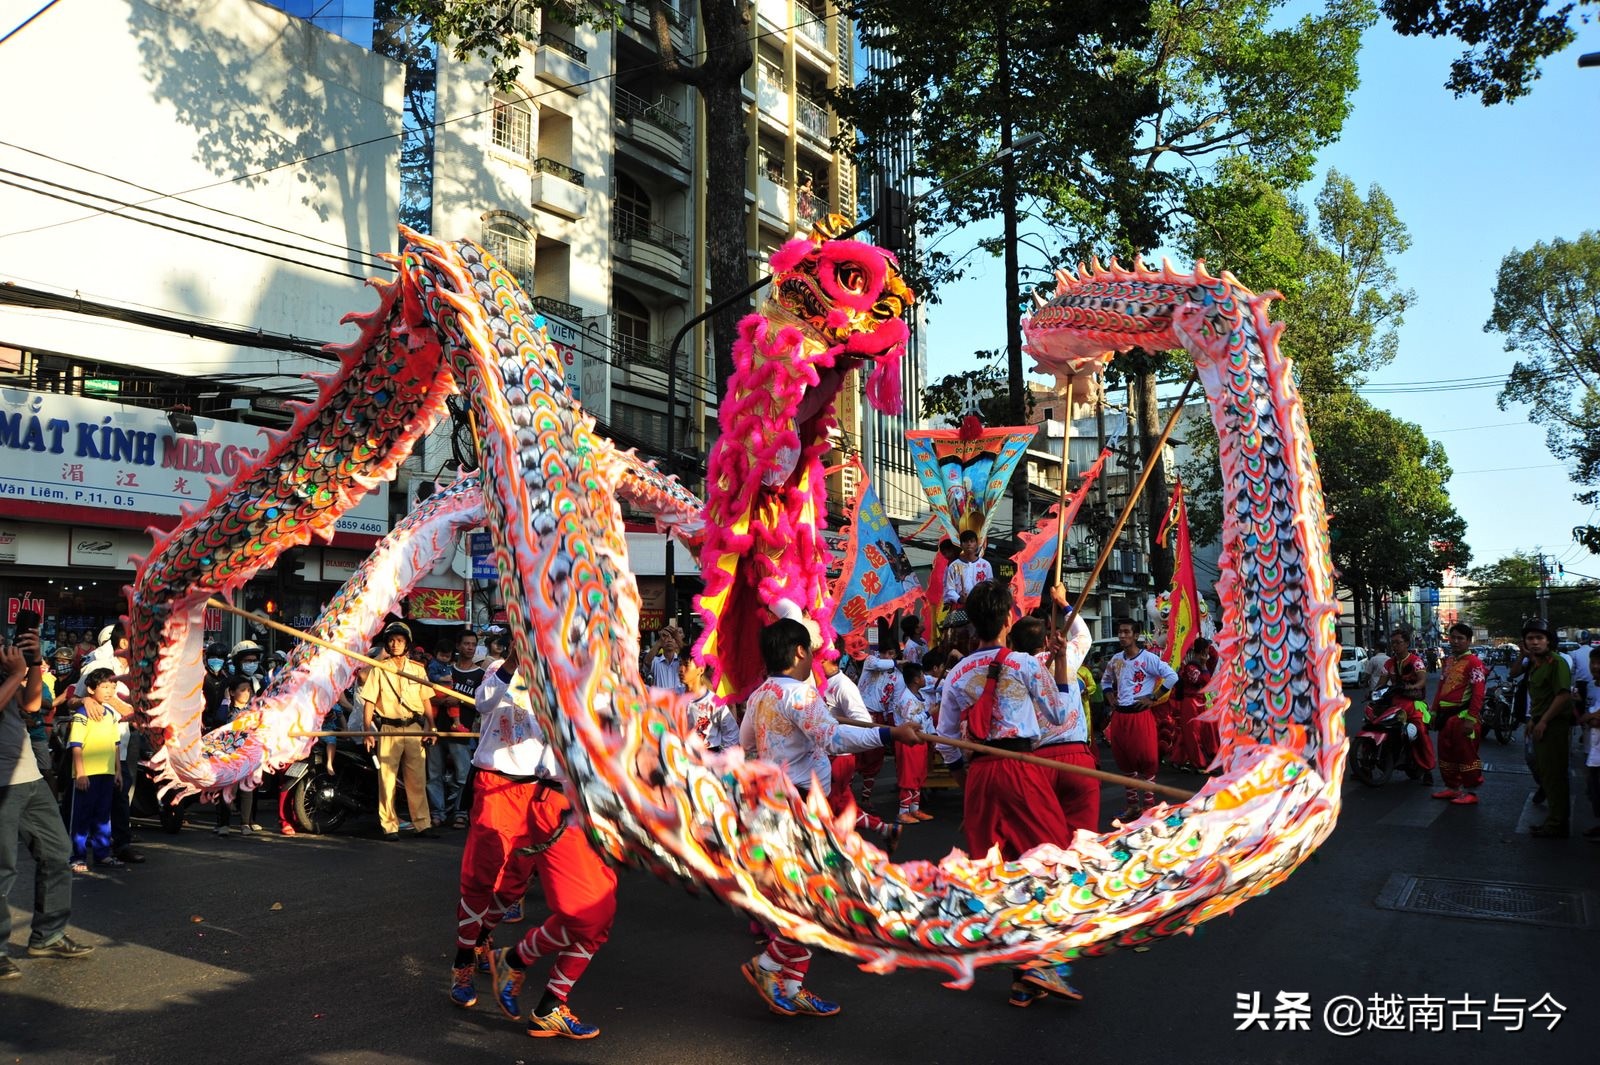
(1352, 666)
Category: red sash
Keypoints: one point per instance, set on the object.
(980, 718)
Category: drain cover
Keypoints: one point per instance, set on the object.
(1488, 900)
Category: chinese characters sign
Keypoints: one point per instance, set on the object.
(875, 577)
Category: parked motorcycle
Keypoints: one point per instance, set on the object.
(1498, 716)
(320, 801)
(1383, 744)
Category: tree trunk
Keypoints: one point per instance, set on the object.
(1156, 498)
(1358, 604)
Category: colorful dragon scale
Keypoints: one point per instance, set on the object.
(651, 794)
(834, 305)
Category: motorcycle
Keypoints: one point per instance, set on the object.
(1498, 716)
(321, 801)
(1384, 743)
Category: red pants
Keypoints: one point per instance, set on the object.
(1422, 746)
(580, 889)
(1169, 731)
(843, 772)
(1197, 743)
(1077, 795)
(1458, 751)
(911, 769)
(1012, 804)
(1133, 742)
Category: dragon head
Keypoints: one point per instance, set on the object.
(849, 297)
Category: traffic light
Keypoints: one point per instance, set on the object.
(894, 221)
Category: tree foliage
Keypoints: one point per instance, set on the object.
(947, 397)
(1504, 594)
(1506, 39)
(1547, 303)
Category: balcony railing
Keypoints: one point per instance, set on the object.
(812, 26)
(561, 170)
(660, 113)
(632, 227)
(632, 351)
(551, 39)
(813, 117)
(554, 308)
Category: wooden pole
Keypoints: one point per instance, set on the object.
(1066, 487)
(1033, 759)
(299, 734)
(1133, 498)
(357, 655)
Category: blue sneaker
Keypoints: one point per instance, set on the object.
(462, 993)
(1052, 979)
(766, 985)
(560, 1022)
(507, 984)
(1023, 996)
(811, 1006)
(513, 914)
(483, 950)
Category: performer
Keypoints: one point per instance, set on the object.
(520, 824)
(1068, 742)
(711, 720)
(1407, 680)
(911, 759)
(1132, 680)
(843, 700)
(960, 577)
(1001, 699)
(1198, 740)
(396, 702)
(880, 686)
(786, 723)
(1459, 702)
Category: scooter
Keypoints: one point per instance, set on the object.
(1384, 742)
(1498, 717)
(321, 801)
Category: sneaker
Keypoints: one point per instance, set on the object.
(483, 950)
(1547, 832)
(112, 862)
(1466, 798)
(1051, 980)
(1538, 797)
(286, 829)
(390, 837)
(562, 1022)
(809, 1005)
(462, 993)
(1447, 793)
(252, 827)
(8, 968)
(513, 914)
(906, 819)
(507, 984)
(1426, 780)
(921, 816)
(1023, 996)
(890, 837)
(80, 867)
(65, 947)
(428, 833)
(766, 985)
(220, 830)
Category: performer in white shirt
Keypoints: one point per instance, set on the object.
(520, 815)
(1132, 680)
(711, 719)
(963, 574)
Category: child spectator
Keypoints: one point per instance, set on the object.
(240, 692)
(911, 759)
(95, 771)
(712, 721)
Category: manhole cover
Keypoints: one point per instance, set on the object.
(1488, 900)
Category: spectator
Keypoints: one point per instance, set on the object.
(111, 653)
(438, 670)
(215, 684)
(241, 690)
(247, 663)
(96, 771)
(28, 814)
(454, 716)
(664, 659)
(1551, 709)
(395, 700)
(1375, 667)
(711, 719)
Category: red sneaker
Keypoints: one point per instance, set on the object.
(1447, 793)
(1466, 798)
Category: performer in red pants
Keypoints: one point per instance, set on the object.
(521, 823)
(1407, 680)
(1459, 701)
(1132, 680)
(1198, 740)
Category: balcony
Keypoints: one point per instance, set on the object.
(812, 118)
(637, 13)
(811, 27)
(561, 62)
(775, 13)
(634, 353)
(653, 125)
(558, 188)
(551, 307)
(650, 246)
(772, 194)
(772, 95)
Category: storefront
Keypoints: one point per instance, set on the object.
(82, 479)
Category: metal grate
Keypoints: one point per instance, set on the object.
(1489, 900)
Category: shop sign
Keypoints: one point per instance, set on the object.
(16, 604)
(567, 339)
(90, 547)
(481, 545)
(8, 545)
(438, 604)
(652, 603)
(92, 453)
(339, 566)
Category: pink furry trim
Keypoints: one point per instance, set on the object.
(883, 385)
(789, 256)
(867, 259)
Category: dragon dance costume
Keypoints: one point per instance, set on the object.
(1459, 701)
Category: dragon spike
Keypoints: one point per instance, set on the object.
(1039, 301)
(1094, 264)
(1083, 272)
(1138, 264)
(1112, 267)
(1063, 279)
(1200, 271)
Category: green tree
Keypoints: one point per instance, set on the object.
(488, 28)
(1547, 303)
(1506, 39)
(947, 397)
(1505, 593)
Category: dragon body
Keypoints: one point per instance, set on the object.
(647, 790)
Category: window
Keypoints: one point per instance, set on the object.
(633, 200)
(513, 124)
(508, 241)
(1049, 412)
(631, 332)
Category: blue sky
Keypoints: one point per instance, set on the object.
(1471, 183)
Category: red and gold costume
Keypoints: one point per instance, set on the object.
(1459, 702)
(1408, 679)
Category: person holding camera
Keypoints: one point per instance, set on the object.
(28, 814)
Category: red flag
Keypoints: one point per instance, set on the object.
(1183, 621)
(1039, 548)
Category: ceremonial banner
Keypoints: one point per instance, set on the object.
(875, 579)
(1183, 620)
(1039, 548)
(964, 471)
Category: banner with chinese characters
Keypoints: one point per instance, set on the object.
(964, 472)
(875, 577)
(70, 450)
(1038, 554)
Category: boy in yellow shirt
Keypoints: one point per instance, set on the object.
(92, 740)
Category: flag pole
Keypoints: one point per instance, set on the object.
(1066, 488)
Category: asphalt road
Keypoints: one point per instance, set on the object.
(336, 950)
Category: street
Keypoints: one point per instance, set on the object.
(336, 950)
